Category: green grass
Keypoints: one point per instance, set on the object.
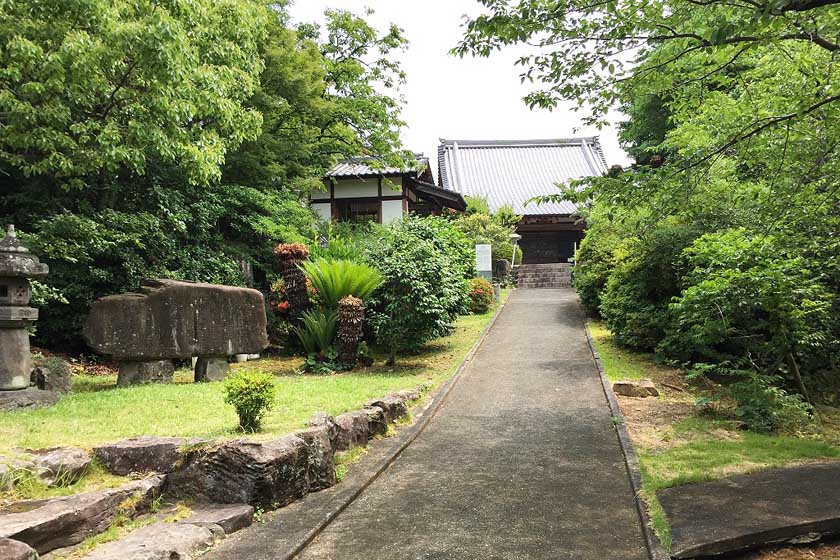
(27, 486)
(619, 363)
(98, 412)
(701, 447)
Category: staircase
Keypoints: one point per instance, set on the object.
(554, 275)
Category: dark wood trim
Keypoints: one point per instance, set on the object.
(379, 187)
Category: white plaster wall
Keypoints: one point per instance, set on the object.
(391, 210)
(320, 194)
(353, 188)
(324, 210)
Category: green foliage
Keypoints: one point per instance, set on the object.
(177, 140)
(484, 229)
(760, 403)
(317, 331)
(477, 205)
(424, 263)
(334, 280)
(481, 295)
(252, 394)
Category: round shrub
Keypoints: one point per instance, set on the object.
(481, 295)
(251, 393)
(291, 252)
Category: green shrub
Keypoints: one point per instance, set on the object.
(760, 402)
(251, 393)
(317, 331)
(481, 295)
(423, 262)
(746, 296)
(484, 229)
(335, 280)
(599, 252)
(635, 300)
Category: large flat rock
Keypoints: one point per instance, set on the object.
(748, 511)
(51, 524)
(171, 319)
(27, 399)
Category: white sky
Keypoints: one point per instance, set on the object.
(449, 97)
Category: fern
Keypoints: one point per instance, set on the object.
(317, 331)
(336, 279)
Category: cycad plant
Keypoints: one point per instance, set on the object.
(289, 256)
(351, 318)
(337, 279)
(342, 287)
(317, 331)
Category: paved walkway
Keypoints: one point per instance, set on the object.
(520, 462)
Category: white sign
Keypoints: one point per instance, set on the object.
(484, 258)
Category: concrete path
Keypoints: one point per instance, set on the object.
(521, 461)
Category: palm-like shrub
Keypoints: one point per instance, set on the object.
(317, 331)
(289, 256)
(351, 318)
(335, 280)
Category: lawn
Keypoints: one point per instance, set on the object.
(680, 443)
(98, 412)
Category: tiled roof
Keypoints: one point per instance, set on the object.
(364, 167)
(515, 171)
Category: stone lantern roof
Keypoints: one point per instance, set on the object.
(16, 261)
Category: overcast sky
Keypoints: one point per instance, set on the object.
(448, 97)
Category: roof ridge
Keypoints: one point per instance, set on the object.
(573, 141)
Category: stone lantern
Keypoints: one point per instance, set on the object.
(17, 266)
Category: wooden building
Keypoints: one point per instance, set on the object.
(355, 190)
(515, 171)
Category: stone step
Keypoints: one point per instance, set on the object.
(550, 276)
(544, 285)
(47, 525)
(182, 539)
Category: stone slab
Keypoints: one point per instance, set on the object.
(171, 319)
(27, 398)
(47, 525)
(160, 541)
(230, 517)
(16, 550)
(747, 511)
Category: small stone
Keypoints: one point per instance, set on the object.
(392, 405)
(377, 421)
(353, 430)
(230, 517)
(211, 369)
(53, 375)
(638, 389)
(134, 373)
(16, 550)
(142, 454)
(323, 419)
(27, 399)
(62, 465)
(159, 541)
(409, 395)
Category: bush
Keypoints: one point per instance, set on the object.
(423, 262)
(599, 252)
(635, 301)
(760, 402)
(481, 296)
(251, 393)
(484, 229)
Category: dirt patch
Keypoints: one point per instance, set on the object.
(822, 551)
(650, 421)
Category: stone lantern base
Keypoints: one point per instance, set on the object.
(15, 359)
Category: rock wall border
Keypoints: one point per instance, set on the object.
(655, 548)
